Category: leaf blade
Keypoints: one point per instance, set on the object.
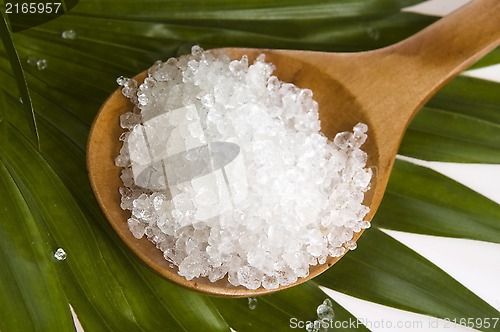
(403, 279)
(420, 200)
(28, 265)
(17, 69)
(118, 289)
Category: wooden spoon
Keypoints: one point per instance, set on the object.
(382, 88)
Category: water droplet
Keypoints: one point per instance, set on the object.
(312, 326)
(32, 60)
(252, 303)
(69, 34)
(373, 33)
(41, 64)
(325, 310)
(60, 254)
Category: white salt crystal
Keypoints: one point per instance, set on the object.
(270, 282)
(226, 171)
(136, 227)
(190, 267)
(351, 245)
(60, 254)
(205, 196)
(127, 177)
(337, 252)
(142, 208)
(341, 140)
(286, 276)
(129, 120)
(249, 277)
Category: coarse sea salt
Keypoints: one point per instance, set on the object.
(226, 171)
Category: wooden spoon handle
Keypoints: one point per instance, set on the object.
(393, 83)
(438, 53)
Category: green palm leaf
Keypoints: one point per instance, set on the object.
(47, 202)
(25, 253)
(17, 70)
(471, 107)
(403, 280)
(447, 209)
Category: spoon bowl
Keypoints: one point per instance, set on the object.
(382, 88)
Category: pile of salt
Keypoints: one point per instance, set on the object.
(227, 172)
